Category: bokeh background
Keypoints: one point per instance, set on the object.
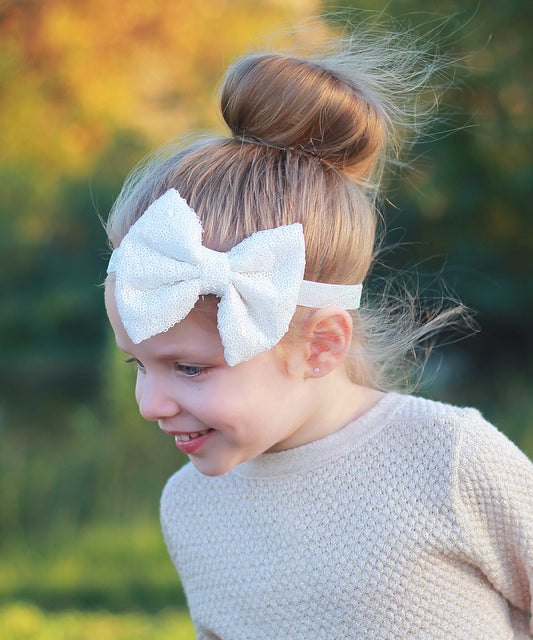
(86, 88)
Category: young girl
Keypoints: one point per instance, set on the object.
(315, 505)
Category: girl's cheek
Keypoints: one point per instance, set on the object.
(230, 407)
(138, 389)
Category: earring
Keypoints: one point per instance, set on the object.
(316, 370)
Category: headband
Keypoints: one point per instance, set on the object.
(162, 269)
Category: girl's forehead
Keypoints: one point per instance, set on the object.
(195, 336)
(188, 341)
(197, 327)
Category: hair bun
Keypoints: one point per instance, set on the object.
(291, 103)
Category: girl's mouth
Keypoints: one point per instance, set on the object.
(189, 443)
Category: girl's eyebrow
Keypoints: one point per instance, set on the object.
(187, 357)
(180, 356)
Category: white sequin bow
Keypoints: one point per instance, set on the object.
(162, 269)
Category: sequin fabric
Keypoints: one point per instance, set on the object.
(162, 269)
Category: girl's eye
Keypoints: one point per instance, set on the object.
(139, 365)
(191, 371)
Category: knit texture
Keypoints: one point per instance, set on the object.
(414, 521)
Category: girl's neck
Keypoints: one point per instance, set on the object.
(335, 402)
(342, 402)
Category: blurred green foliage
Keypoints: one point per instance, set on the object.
(116, 567)
(467, 198)
(52, 321)
(105, 464)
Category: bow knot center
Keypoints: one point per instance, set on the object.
(215, 272)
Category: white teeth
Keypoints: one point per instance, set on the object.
(185, 437)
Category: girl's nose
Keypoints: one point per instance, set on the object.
(155, 400)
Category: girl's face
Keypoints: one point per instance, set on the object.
(219, 415)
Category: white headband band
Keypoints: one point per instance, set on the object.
(162, 269)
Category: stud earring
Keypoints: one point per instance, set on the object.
(316, 370)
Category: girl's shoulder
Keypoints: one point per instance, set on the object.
(478, 447)
(423, 411)
(434, 417)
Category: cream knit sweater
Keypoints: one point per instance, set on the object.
(414, 521)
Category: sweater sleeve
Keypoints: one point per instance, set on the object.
(495, 491)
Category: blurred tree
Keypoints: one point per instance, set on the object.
(73, 71)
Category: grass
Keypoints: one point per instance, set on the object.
(118, 568)
(108, 582)
(22, 621)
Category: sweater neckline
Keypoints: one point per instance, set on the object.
(319, 452)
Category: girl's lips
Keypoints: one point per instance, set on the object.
(192, 445)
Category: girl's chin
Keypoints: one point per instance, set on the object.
(213, 466)
(210, 470)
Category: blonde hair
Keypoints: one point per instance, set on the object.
(310, 141)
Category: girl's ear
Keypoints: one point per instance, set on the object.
(328, 333)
